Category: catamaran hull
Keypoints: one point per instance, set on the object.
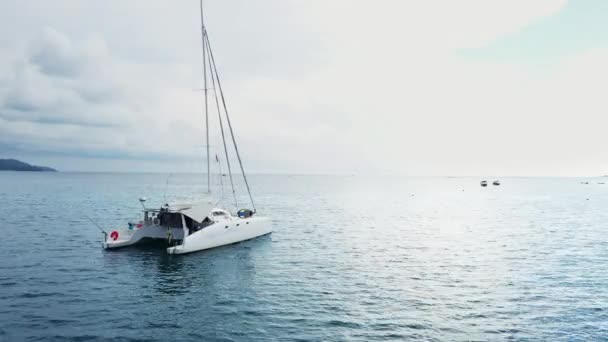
(126, 238)
(224, 232)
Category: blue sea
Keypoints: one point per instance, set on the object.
(351, 259)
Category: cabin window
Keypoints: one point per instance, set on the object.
(190, 223)
(219, 213)
(171, 220)
(206, 222)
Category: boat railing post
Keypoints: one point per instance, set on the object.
(185, 229)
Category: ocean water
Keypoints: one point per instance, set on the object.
(351, 259)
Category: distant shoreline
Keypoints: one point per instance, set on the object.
(17, 165)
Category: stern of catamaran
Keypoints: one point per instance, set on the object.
(170, 223)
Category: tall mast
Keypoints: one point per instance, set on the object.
(215, 78)
(204, 33)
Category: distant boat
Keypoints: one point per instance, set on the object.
(496, 182)
(484, 183)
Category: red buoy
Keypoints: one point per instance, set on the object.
(114, 235)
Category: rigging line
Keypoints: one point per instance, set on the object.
(236, 149)
(219, 166)
(105, 234)
(219, 116)
(203, 30)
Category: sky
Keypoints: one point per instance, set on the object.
(417, 88)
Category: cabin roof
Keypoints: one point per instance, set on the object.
(196, 211)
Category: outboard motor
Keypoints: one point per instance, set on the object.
(245, 213)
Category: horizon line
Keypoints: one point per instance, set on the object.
(321, 174)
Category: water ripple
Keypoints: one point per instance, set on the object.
(351, 259)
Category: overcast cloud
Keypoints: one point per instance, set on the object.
(470, 87)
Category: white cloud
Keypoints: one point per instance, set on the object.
(361, 87)
(69, 98)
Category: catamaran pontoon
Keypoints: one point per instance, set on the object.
(198, 226)
(191, 227)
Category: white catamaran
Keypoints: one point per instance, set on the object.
(198, 226)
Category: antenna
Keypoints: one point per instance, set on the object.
(166, 187)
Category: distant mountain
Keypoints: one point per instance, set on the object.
(16, 165)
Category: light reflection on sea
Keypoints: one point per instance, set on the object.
(351, 258)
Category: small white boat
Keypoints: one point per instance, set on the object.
(496, 182)
(199, 226)
(483, 183)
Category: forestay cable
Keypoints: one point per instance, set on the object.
(219, 116)
(236, 149)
